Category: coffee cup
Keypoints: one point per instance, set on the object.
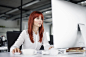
(28, 51)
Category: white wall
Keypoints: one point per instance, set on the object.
(9, 23)
(66, 16)
(14, 25)
(46, 28)
(24, 24)
(9, 26)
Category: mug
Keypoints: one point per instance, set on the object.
(28, 51)
(53, 51)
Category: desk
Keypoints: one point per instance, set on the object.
(3, 48)
(72, 55)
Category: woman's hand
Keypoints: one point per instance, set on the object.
(16, 50)
(50, 47)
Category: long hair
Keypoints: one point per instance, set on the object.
(32, 16)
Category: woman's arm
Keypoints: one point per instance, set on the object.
(45, 42)
(19, 41)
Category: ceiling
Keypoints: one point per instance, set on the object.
(11, 9)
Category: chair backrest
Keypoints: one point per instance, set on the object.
(11, 38)
(51, 39)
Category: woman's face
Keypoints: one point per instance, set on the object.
(38, 21)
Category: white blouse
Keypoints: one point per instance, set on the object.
(24, 40)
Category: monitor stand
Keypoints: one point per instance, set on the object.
(83, 32)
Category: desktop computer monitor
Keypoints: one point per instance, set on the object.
(65, 19)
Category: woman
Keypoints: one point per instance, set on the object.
(34, 37)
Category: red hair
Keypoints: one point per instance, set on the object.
(32, 16)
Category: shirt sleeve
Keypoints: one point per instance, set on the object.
(19, 41)
(45, 42)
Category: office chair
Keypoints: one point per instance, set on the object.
(42, 47)
(51, 39)
(11, 38)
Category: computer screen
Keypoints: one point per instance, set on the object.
(65, 19)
